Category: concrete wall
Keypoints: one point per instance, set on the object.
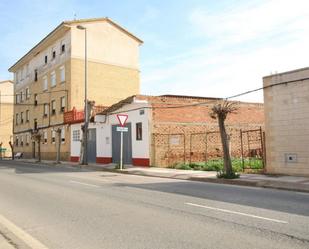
(106, 44)
(107, 84)
(287, 122)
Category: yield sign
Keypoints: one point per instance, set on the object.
(122, 118)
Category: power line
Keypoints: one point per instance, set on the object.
(214, 100)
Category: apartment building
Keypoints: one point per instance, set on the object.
(6, 116)
(286, 98)
(49, 80)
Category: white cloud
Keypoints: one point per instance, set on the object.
(244, 44)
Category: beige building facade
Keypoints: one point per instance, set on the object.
(49, 80)
(286, 101)
(6, 116)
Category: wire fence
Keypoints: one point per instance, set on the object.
(246, 147)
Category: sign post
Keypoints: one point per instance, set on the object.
(122, 118)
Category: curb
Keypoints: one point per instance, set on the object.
(262, 184)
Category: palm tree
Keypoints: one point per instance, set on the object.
(220, 111)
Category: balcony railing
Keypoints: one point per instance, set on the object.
(73, 116)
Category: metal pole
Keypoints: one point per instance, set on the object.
(242, 151)
(85, 156)
(121, 150)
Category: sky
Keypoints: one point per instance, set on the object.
(197, 47)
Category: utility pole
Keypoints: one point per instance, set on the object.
(86, 116)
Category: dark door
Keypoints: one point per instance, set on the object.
(92, 146)
(127, 145)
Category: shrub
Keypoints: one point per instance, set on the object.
(222, 174)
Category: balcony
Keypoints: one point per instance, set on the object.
(73, 116)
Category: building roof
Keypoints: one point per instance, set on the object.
(65, 26)
(287, 72)
(6, 81)
(188, 97)
(152, 99)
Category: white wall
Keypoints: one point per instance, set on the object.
(140, 149)
(75, 145)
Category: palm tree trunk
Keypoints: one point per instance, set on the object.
(226, 154)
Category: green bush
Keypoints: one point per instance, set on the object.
(217, 165)
(221, 174)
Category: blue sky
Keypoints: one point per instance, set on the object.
(196, 47)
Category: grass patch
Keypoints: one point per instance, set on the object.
(217, 165)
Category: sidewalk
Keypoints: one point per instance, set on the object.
(293, 183)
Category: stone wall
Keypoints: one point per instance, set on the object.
(287, 122)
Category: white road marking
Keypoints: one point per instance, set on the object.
(86, 184)
(20, 233)
(234, 212)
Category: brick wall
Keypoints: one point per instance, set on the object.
(182, 134)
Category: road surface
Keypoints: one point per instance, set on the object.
(54, 207)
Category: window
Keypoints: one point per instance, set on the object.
(17, 96)
(21, 141)
(16, 119)
(53, 79)
(53, 136)
(62, 47)
(27, 139)
(76, 135)
(53, 54)
(62, 104)
(45, 59)
(141, 112)
(27, 116)
(16, 78)
(35, 122)
(45, 83)
(16, 140)
(63, 135)
(35, 99)
(53, 107)
(45, 113)
(27, 70)
(35, 75)
(21, 117)
(27, 93)
(45, 137)
(139, 131)
(62, 74)
(21, 96)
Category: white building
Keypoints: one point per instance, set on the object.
(104, 140)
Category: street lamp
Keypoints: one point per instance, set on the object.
(86, 116)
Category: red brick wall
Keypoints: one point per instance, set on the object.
(196, 119)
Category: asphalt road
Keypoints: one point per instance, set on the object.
(52, 207)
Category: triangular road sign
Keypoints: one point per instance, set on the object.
(122, 118)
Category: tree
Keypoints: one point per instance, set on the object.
(37, 137)
(220, 111)
(12, 149)
(58, 132)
